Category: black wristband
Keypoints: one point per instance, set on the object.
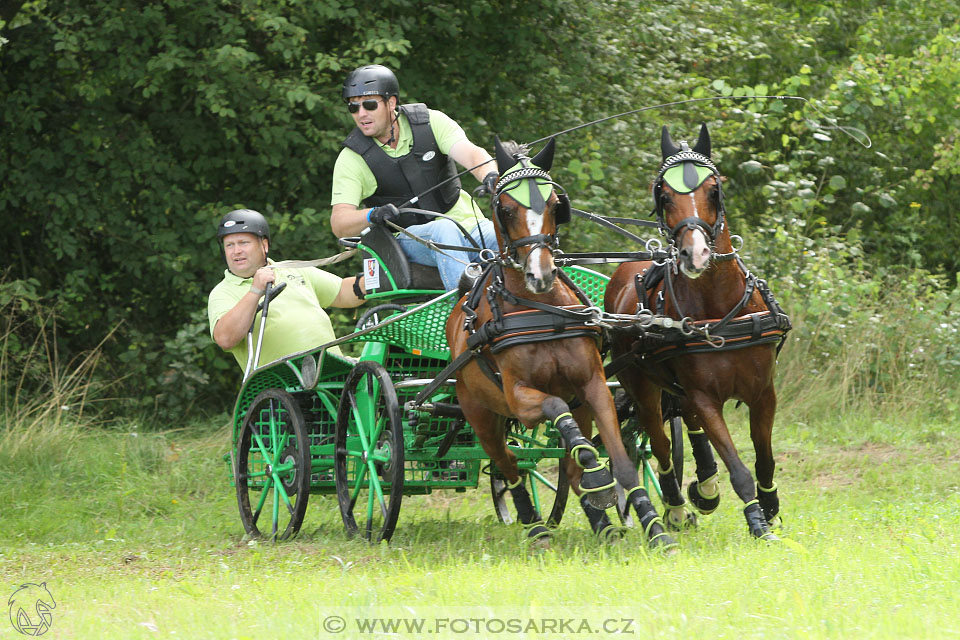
(357, 290)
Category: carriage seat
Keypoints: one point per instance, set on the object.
(406, 274)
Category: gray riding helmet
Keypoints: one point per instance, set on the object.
(371, 80)
(243, 221)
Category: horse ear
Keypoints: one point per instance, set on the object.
(505, 160)
(703, 142)
(544, 159)
(667, 147)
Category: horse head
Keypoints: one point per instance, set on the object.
(528, 207)
(689, 201)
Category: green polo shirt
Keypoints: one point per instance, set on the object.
(296, 320)
(353, 180)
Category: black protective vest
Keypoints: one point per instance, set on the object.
(399, 179)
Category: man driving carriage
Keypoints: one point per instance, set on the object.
(397, 153)
(297, 321)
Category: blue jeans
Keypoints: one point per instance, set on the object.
(444, 231)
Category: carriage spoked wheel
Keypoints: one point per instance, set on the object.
(369, 458)
(273, 466)
(547, 485)
(378, 314)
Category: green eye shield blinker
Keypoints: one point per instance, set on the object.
(529, 192)
(686, 176)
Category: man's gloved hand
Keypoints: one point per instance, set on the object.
(488, 187)
(490, 182)
(387, 212)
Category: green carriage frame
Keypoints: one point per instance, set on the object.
(287, 412)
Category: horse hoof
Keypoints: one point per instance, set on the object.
(758, 525)
(678, 518)
(540, 544)
(610, 534)
(602, 498)
(599, 486)
(537, 535)
(597, 478)
(663, 543)
(776, 522)
(704, 505)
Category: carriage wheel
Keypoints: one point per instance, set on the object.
(377, 314)
(547, 485)
(368, 459)
(273, 466)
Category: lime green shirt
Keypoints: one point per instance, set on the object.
(353, 181)
(296, 320)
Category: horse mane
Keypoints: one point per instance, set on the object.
(514, 148)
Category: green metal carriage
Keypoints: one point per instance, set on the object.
(316, 422)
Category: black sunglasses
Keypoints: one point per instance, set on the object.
(371, 104)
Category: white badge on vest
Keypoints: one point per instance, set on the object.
(428, 156)
(371, 274)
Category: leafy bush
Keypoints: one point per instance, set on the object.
(127, 133)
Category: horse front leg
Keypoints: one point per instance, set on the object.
(596, 396)
(650, 417)
(700, 410)
(762, 412)
(531, 406)
(704, 492)
(596, 481)
(490, 431)
(646, 401)
(599, 521)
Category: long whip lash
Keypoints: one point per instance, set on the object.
(858, 135)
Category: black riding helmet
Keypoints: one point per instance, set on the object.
(371, 80)
(243, 221)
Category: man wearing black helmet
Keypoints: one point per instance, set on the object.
(296, 321)
(397, 153)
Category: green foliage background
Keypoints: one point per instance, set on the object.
(128, 128)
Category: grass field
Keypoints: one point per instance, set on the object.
(137, 535)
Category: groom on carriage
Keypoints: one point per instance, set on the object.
(299, 321)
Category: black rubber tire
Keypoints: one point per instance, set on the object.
(369, 454)
(382, 309)
(273, 445)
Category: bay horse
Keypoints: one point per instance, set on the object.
(529, 349)
(734, 331)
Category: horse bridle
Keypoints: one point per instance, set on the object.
(672, 234)
(548, 241)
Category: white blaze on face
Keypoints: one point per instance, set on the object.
(699, 250)
(534, 227)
